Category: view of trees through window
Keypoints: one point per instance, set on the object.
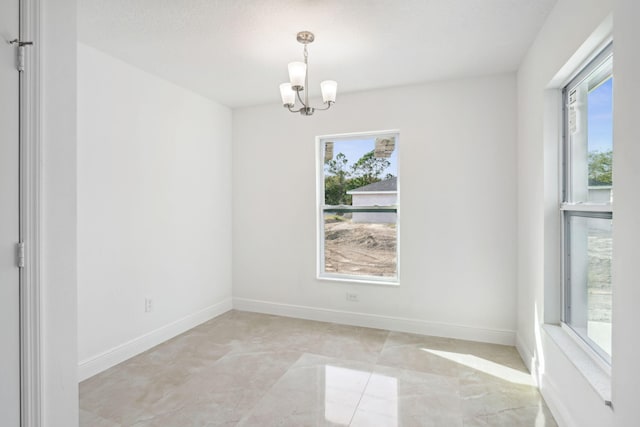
(342, 177)
(600, 133)
(359, 214)
(600, 168)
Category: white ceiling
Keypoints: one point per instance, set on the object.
(236, 51)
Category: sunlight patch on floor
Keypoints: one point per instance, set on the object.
(488, 367)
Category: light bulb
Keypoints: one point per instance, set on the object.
(287, 94)
(297, 74)
(329, 89)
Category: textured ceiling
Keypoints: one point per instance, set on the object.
(236, 51)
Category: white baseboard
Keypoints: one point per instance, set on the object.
(553, 399)
(525, 354)
(548, 390)
(416, 326)
(105, 360)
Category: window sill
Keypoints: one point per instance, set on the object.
(596, 376)
(362, 281)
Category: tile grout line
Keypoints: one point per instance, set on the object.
(361, 396)
(247, 415)
(375, 365)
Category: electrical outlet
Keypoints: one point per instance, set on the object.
(148, 305)
(353, 297)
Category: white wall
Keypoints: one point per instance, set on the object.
(626, 232)
(58, 210)
(457, 277)
(573, 29)
(154, 209)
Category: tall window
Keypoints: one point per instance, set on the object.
(587, 203)
(358, 196)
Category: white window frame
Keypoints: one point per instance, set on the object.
(569, 209)
(321, 208)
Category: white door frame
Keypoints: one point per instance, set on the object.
(30, 216)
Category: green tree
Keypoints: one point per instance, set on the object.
(335, 181)
(367, 170)
(340, 178)
(600, 167)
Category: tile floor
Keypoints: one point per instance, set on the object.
(250, 369)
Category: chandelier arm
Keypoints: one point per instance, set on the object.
(328, 105)
(294, 111)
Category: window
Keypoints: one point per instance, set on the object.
(358, 196)
(587, 203)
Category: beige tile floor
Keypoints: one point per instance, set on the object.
(249, 369)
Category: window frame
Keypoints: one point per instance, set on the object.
(569, 208)
(321, 208)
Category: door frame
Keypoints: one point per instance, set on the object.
(31, 387)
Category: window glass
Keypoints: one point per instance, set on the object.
(359, 214)
(359, 244)
(589, 294)
(590, 130)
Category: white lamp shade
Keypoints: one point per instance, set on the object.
(329, 89)
(297, 73)
(287, 94)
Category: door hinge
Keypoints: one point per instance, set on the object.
(20, 254)
(20, 52)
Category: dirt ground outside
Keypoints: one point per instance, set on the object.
(359, 249)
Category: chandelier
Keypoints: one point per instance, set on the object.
(299, 80)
